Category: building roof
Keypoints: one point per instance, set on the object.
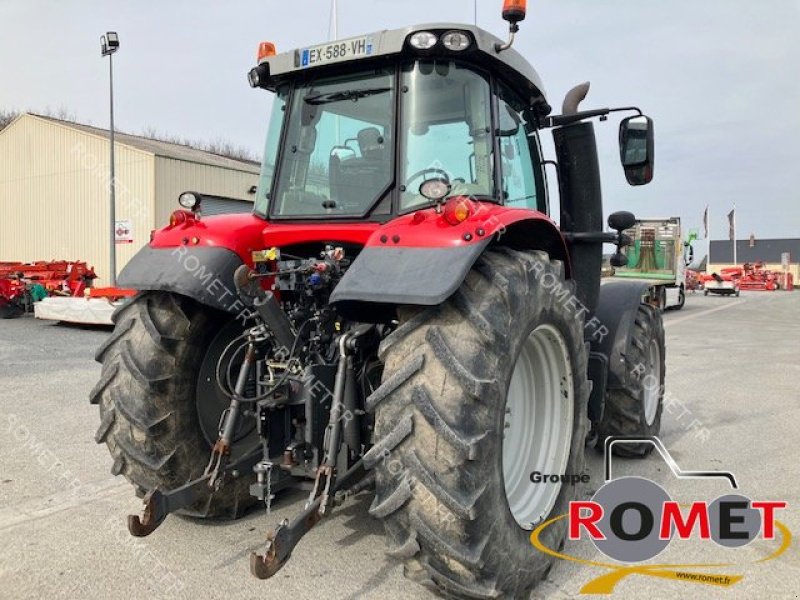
(164, 149)
(768, 251)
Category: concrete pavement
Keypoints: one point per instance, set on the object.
(733, 369)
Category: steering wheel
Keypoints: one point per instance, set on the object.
(443, 174)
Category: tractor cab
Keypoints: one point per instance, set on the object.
(387, 123)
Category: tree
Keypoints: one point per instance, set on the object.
(9, 114)
(217, 146)
(6, 116)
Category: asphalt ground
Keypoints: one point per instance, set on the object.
(733, 370)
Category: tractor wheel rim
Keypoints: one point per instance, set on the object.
(540, 406)
(652, 383)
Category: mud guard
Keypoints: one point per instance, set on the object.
(204, 274)
(616, 310)
(381, 278)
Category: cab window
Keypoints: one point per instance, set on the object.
(446, 124)
(520, 164)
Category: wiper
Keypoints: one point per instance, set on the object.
(344, 95)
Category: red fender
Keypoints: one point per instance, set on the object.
(421, 259)
(417, 258)
(515, 227)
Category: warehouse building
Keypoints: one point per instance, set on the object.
(776, 254)
(54, 190)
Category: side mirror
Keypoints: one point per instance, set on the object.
(621, 220)
(689, 258)
(619, 260)
(637, 149)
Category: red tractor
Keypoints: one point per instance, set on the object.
(399, 314)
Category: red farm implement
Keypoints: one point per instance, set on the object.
(753, 277)
(22, 284)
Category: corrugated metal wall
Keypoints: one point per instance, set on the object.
(176, 176)
(214, 205)
(54, 195)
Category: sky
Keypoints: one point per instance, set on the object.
(720, 78)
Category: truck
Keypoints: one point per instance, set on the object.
(399, 316)
(659, 257)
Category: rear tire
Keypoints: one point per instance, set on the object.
(636, 410)
(147, 397)
(443, 479)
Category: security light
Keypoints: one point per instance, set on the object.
(109, 43)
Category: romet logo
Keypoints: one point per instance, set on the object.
(633, 519)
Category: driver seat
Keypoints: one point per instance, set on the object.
(356, 182)
(371, 144)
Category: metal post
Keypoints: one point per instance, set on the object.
(334, 37)
(735, 262)
(112, 182)
(708, 235)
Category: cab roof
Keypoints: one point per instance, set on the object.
(508, 65)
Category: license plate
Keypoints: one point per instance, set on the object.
(335, 52)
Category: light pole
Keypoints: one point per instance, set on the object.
(109, 43)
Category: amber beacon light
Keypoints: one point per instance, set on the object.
(514, 10)
(265, 50)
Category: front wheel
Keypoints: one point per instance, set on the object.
(681, 299)
(477, 396)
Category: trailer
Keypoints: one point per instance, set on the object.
(658, 256)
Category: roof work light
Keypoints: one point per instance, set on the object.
(423, 40)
